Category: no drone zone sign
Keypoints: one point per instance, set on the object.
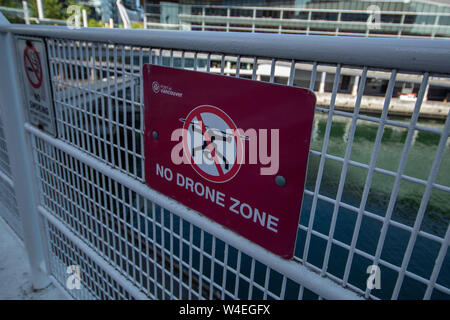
(38, 102)
(232, 149)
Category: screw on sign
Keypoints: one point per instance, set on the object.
(33, 67)
(211, 143)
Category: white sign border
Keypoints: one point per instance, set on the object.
(46, 83)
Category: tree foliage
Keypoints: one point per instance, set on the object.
(53, 9)
(11, 3)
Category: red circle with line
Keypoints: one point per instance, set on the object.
(222, 176)
(35, 74)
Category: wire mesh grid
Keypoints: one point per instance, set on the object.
(98, 101)
(4, 159)
(99, 104)
(7, 194)
(95, 283)
(9, 209)
(162, 254)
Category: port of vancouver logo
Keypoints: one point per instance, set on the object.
(155, 86)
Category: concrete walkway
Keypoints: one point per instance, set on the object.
(14, 270)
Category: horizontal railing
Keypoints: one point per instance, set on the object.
(404, 54)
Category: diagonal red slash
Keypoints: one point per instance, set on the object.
(39, 79)
(210, 146)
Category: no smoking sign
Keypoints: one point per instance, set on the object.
(32, 56)
(232, 149)
(33, 67)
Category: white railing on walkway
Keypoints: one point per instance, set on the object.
(85, 186)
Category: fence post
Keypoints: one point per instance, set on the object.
(26, 12)
(322, 82)
(40, 9)
(21, 158)
(85, 19)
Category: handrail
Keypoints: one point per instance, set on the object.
(413, 55)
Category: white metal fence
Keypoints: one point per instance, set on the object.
(7, 196)
(94, 210)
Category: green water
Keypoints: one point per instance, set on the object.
(420, 160)
(419, 163)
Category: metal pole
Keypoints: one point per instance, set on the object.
(19, 152)
(402, 24)
(85, 19)
(228, 20)
(322, 82)
(352, 51)
(338, 23)
(427, 89)
(280, 28)
(355, 86)
(203, 18)
(40, 9)
(26, 12)
(309, 21)
(435, 26)
(254, 18)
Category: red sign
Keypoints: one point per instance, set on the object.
(232, 149)
(33, 68)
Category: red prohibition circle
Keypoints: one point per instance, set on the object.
(38, 73)
(222, 177)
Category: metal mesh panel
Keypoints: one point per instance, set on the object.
(9, 209)
(99, 104)
(95, 282)
(162, 254)
(4, 160)
(98, 101)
